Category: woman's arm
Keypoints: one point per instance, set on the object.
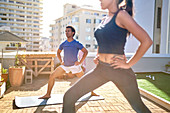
(125, 20)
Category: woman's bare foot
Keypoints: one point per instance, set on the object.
(94, 94)
(45, 97)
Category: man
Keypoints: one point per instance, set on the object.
(70, 63)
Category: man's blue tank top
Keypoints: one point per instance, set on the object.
(110, 37)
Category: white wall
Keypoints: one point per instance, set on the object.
(164, 27)
(3, 45)
(144, 16)
(148, 63)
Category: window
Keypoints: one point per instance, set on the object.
(29, 21)
(19, 20)
(159, 18)
(20, 3)
(3, 18)
(88, 29)
(88, 20)
(29, 4)
(88, 13)
(11, 19)
(28, 16)
(3, 23)
(88, 45)
(10, 1)
(3, 0)
(2, 5)
(157, 48)
(77, 37)
(95, 46)
(36, 26)
(11, 15)
(75, 19)
(36, 22)
(1, 9)
(35, 13)
(73, 6)
(97, 14)
(29, 12)
(35, 5)
(88, 38)
(97, 21)
(2, 14)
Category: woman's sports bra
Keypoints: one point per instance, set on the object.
(110, 37)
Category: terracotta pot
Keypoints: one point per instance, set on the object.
(5, 77)
(16, 76)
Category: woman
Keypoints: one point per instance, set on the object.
(111, 63)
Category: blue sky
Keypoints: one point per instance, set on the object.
(53, 9)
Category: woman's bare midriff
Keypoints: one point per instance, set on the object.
(108, 58)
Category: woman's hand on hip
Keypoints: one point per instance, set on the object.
(96, 60)
(120, 64)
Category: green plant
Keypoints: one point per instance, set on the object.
(16, 57)
(4, 71)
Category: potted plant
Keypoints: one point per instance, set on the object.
(16, 72)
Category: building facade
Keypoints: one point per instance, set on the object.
(154, 17)
(45, 44)
(24, 19)
(84, 19)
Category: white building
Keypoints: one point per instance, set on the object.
(154, 17)
(84, 19)
(24, 19)
(45, 44)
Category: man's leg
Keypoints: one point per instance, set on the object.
(80, 75)
(59, 71)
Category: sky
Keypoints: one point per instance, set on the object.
(53, 9)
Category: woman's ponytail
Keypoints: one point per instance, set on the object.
(129, 7)
(126, 5)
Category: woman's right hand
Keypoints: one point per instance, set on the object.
(96, 60)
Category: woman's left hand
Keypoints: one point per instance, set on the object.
(118, 63)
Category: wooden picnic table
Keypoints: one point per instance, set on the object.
(38, 63)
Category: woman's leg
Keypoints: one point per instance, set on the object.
(87, 83)
(128, 86)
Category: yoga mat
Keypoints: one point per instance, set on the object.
(30, 101)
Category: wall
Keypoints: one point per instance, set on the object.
(144, 16)
(165, 28)
(148, 63)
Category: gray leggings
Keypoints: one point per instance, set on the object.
(124, 79)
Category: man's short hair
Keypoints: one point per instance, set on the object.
(72, 29)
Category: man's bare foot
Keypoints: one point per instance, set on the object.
(45, 97)
(94, 94)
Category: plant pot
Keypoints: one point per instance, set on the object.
(5, 77)
(16, 76)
